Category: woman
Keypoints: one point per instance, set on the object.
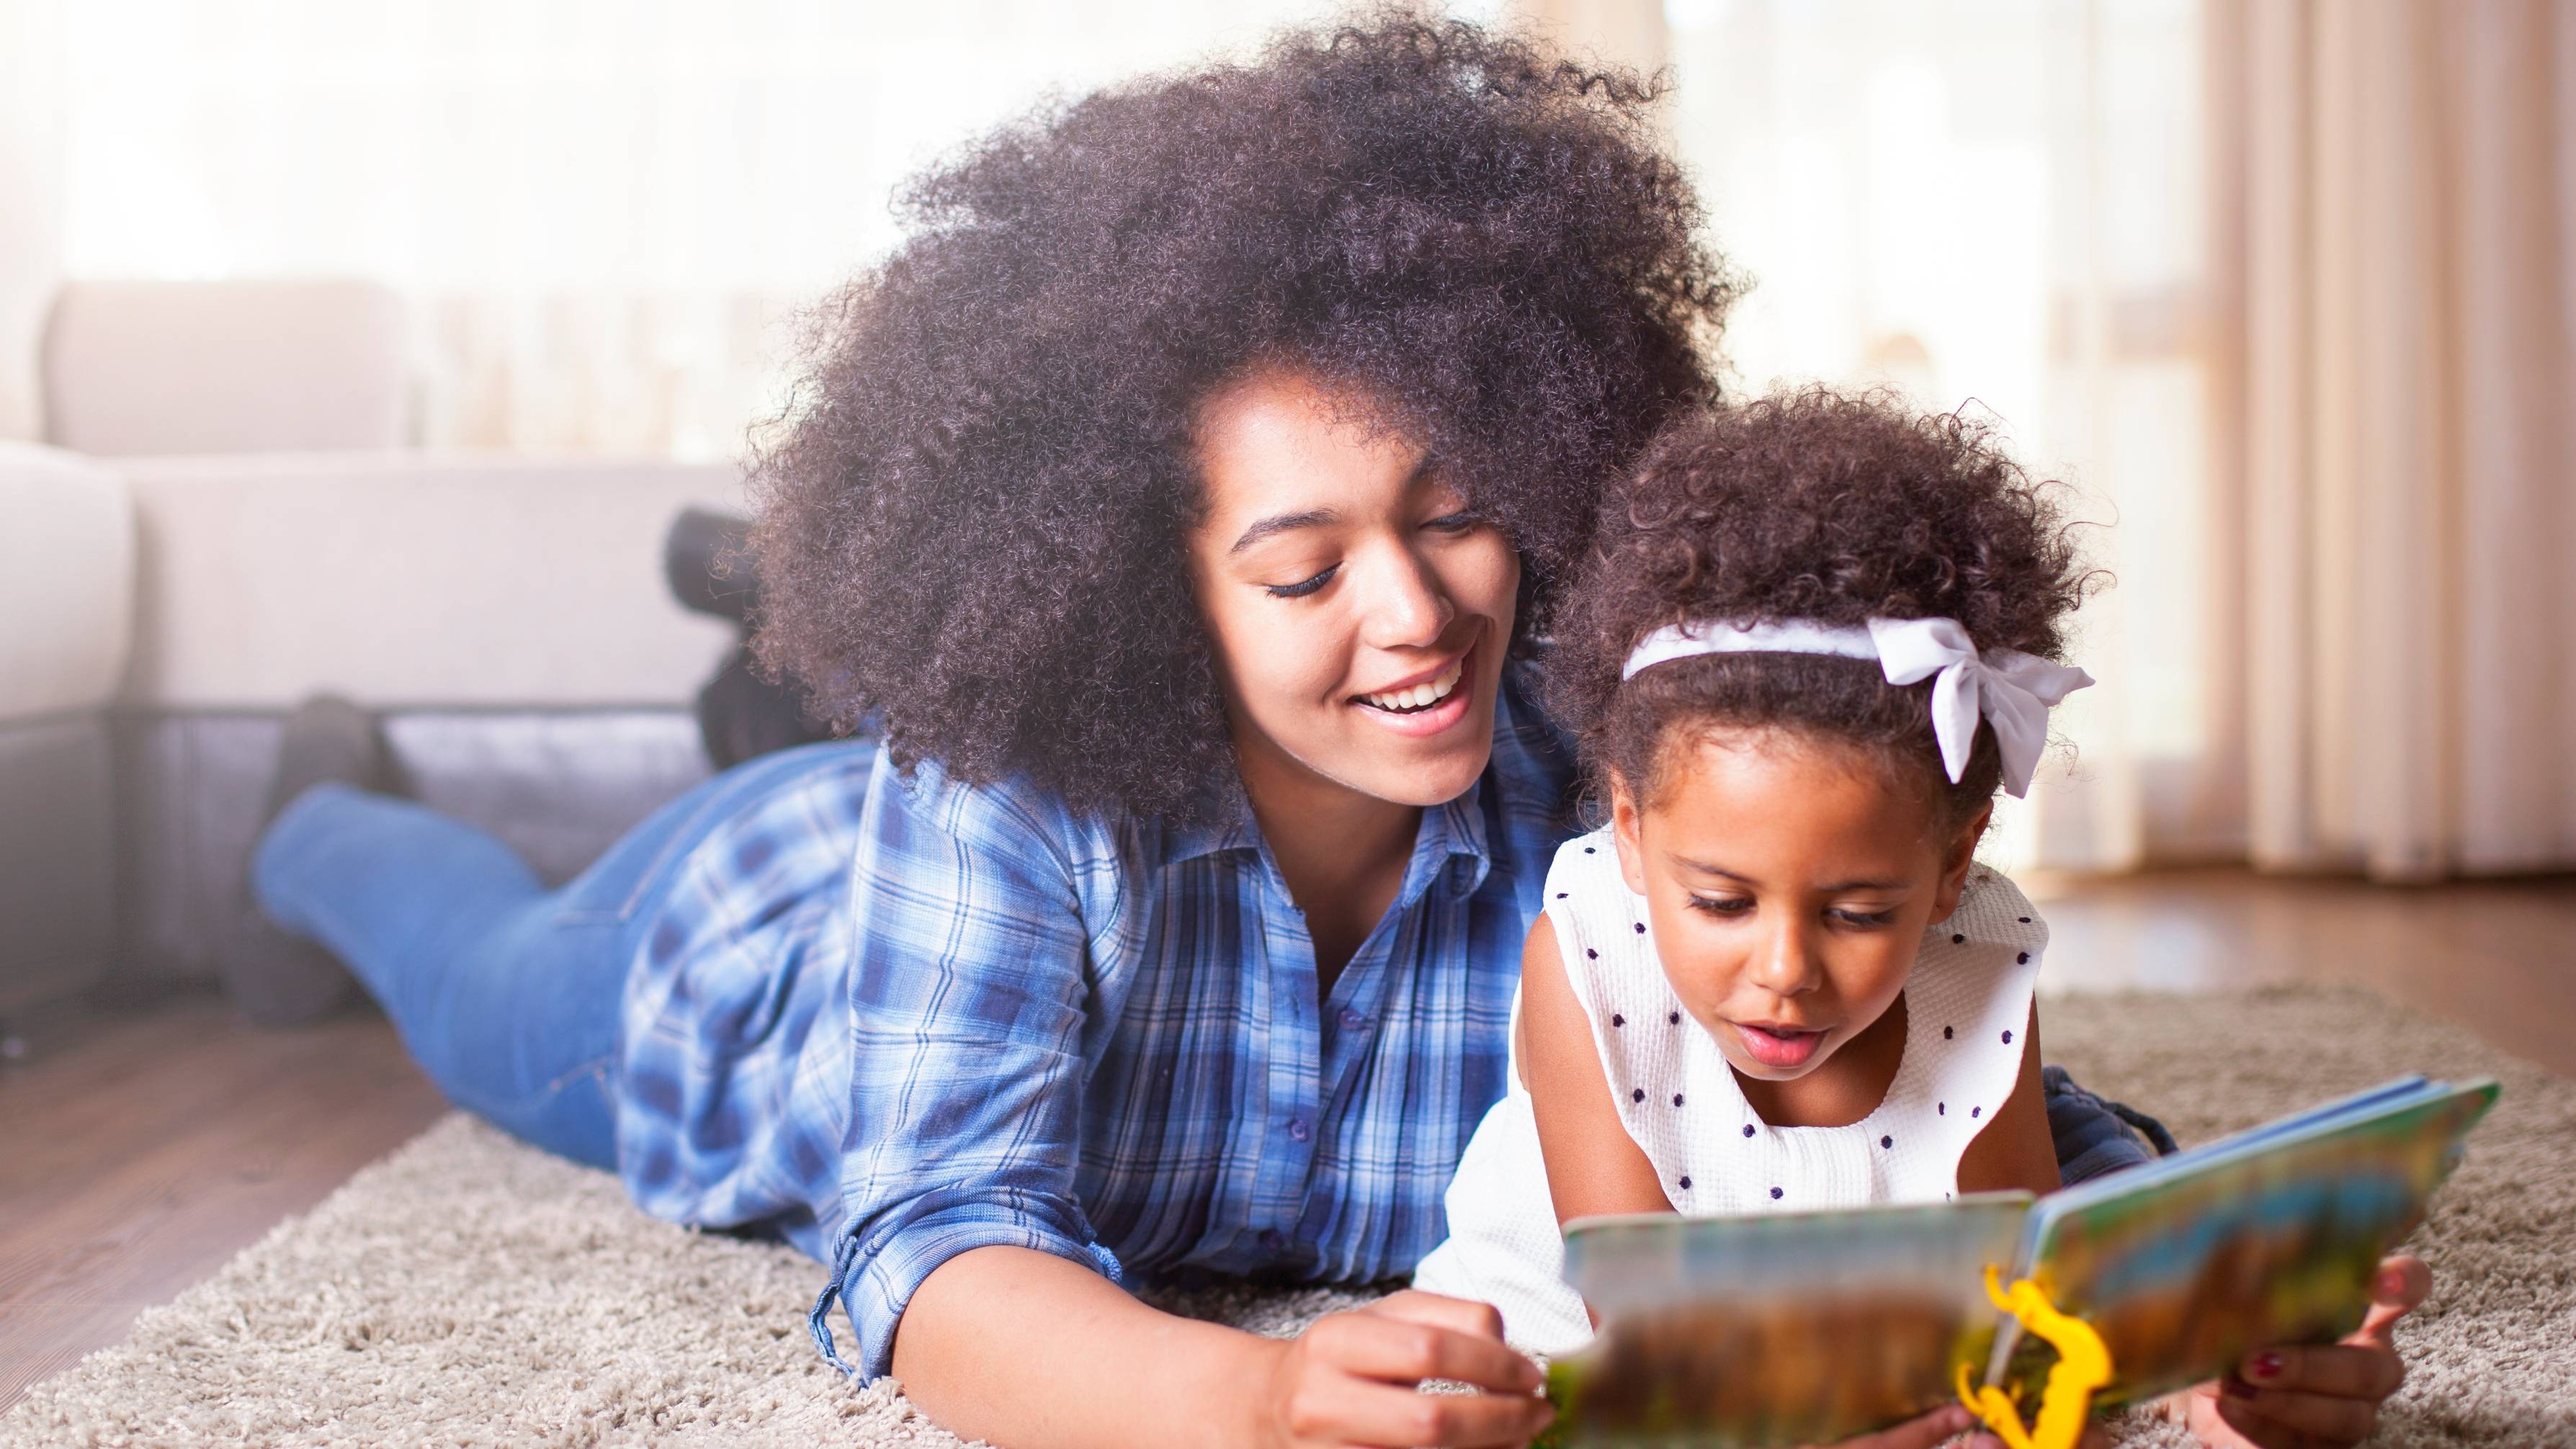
(1177, 501)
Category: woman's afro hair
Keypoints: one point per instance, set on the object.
(974, 509)
(1818, 507)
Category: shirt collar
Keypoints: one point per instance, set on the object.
(1452, 835)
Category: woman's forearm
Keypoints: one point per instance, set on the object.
(1027, 1350)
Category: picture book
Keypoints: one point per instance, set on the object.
(1808, 1328)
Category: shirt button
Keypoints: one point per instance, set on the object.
(1298, 1130)
(1273, 1239)
(1352, 1020)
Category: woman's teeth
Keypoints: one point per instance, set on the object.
(1420, 696)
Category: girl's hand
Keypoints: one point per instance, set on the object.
(2312, 1398)
(1350, 1379)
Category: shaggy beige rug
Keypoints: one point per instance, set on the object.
(468, 1290)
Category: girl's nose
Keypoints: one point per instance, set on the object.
(1785, 962)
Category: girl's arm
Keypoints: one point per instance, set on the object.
(2016, 1149)
(1593, 1165)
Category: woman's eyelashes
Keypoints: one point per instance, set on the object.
(1462, 521)
(1302, 587)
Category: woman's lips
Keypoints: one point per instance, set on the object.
(1778, 1048)
(1439, 717)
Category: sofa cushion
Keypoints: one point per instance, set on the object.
(227, 367)
(409, 580)
(66, 582)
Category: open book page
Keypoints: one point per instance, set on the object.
(2185, 1266)
(1778, 1329)
(1802, 1328)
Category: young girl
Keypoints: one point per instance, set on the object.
(1812, 639)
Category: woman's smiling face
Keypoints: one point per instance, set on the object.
(1359, 612)
(1788, 882)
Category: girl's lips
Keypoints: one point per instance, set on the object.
(1779, 1048)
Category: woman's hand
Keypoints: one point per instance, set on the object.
(1933, 1428)
(1350, 1379)
(2310, 1398)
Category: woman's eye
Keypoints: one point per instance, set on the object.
(1458, 522)
(1721, 905)
(1303, 587)
(1865, 918)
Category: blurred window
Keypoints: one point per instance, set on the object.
(603, 207)
(1997, 204)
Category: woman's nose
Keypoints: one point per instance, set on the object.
(1409, 608)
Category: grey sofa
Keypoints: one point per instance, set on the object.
(506, 614)
(66, 619)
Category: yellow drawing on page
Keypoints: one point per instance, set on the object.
(2083, 1365)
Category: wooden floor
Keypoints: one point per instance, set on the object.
(138, 1152)
(2496, 957)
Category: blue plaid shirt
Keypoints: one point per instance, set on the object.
(899, 1018)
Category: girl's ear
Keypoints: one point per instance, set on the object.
(1956, 857)
(1627, 831)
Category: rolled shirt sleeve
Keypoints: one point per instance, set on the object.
(967, 1001)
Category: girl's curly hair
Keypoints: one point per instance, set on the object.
(974, 510)
(1809, 506)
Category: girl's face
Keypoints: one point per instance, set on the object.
(1788, 881)
(1360, 613)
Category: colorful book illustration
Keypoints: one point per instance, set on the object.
(1808, 1328)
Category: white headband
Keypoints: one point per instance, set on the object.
(2010, 689)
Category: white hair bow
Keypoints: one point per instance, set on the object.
(2011, 690)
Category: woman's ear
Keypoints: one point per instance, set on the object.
(1956, 857)
(1627, 831)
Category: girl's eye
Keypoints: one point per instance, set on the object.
(1721, 905)
(1458, 522)
(1303, 587)
(1866, 918)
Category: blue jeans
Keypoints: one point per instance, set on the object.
(508, 994)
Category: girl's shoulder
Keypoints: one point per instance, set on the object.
(1586, 867)
(1598, 921)
(1992, 910)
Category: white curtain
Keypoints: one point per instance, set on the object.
(2397, 252)
(603, 210)
(2285, 290)
(1998, 205)
(30, 202)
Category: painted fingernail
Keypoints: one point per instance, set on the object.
(2392, 1282)
(2268, 1365)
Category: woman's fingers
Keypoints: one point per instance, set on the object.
(1465, 1315)
(1357, 1411)
(1407, 1350)
(1921, 1433)
(2367, 1371)
(2401, 1286)
(2328, 1417)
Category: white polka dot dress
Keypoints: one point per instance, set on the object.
(1967, 1002)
